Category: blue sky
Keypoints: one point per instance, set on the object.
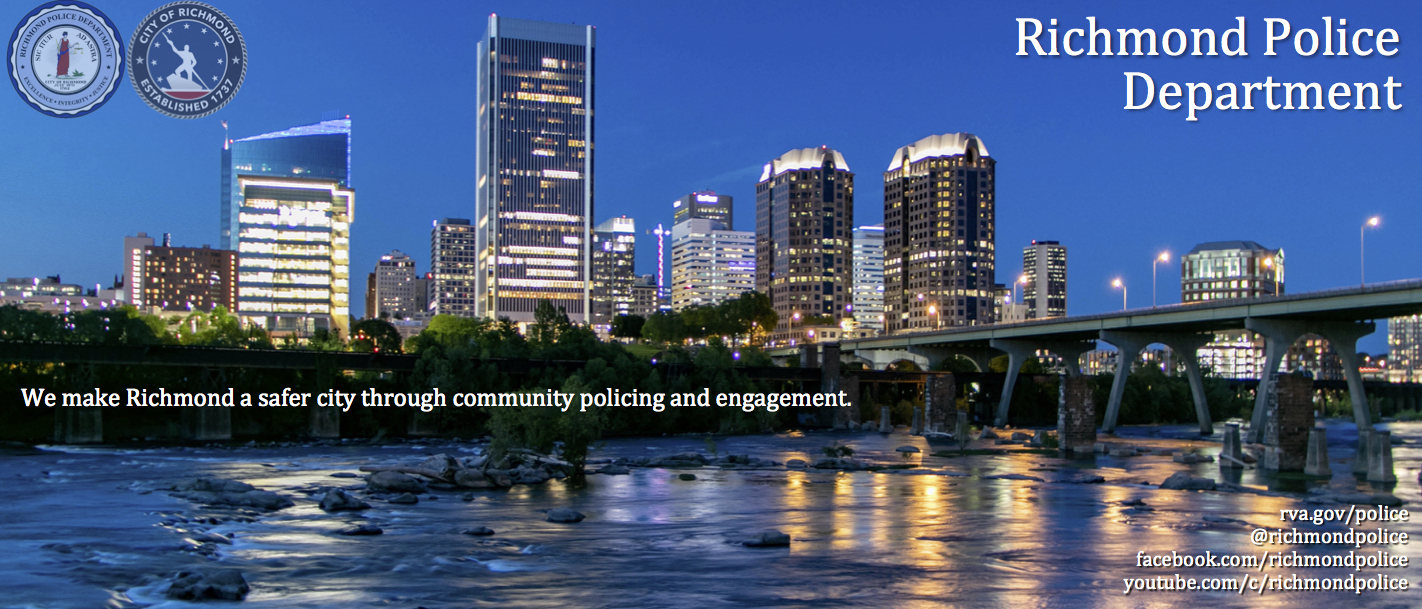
(700, 95)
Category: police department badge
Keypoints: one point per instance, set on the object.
(187, 59)
(66, 58)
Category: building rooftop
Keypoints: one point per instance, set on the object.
(336, 127)
(948, 144)
(804, 158)
(1215, 246)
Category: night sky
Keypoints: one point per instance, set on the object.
(700, 95)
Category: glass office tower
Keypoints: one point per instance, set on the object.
(322, 151)
(534, 168)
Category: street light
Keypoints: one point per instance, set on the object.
(1274, 274)
(1373, 222)
(1163, 257)
(1117, 283)
(1021, 280)
(933, 310)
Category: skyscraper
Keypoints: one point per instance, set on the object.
(804, 208)
(395, 290)
(710, 263)
(707, 205)
(613, 257)
(1044, 264)
(321, 150)
(451, 280)
(189, 278)
(868, 298)
(294, 253)
(133, 248)
(939, 223)
(1404, 349)
(534, 168)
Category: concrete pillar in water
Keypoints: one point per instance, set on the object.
(1380, 457)
(848, 417)
(1360, 454)
(830, 383)
(917, 428)
(810, 356)
(963, 430)
(939, 405)
(1290, 419)
(1076, 415)
(1231, 455)
(884, 425)
(1317, 464)
(326, 423)
(79, 425)
(207, 423)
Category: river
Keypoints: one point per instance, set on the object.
(91, 527)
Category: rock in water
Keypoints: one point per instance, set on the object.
(687, 476)
(1181, 481)
(213, 584)
(478, 531)
(214, 491)
(360, 530)
(907, 449)
(446, 465)
(345, 475)
(795, 464)
(337, 500)
(565, 515)
(614, 470)
(472, 478)
(406, 498)
(769, 538)
(394, 482)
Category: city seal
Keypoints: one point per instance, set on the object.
(66, 59)
(187, 59)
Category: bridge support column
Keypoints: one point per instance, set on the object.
(848, 417)
(1128, 346)
(829, 383)
(1280, 334)
(213, 423)
(1188, 345)
(1286, 431)
(939, 405)
(79, 425)
(1018, 351)
(810, 356)
(325, 422)
(1076, 416)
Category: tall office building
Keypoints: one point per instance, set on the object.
(293, 274)
(534, 168)
(452, 284)
(188, 278)
(939, 220)
(1044, 264)
(370, 296)
(646, 296)
(1223, 270)
(395, 290)
(804, 219)
(706, 205)
(613, 256)
(868, 298)
(320, 151)
(710, 263)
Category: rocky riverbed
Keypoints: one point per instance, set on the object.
(663, 522)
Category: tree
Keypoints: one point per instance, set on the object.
(549, 324)
(628, 326)
(375, 336)
(664, 327)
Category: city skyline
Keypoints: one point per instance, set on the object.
(1234, 176)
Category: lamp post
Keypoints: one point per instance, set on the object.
(1273, 275)
(933, 310)
(1362, 274)
(1163, 257)
(920, 296)
(1117, 283)
(794, 318)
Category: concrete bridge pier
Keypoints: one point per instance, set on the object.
(1188, 347)
(1128, 346)
(1018, 351)
(79, 425)
(325, 422)
(1280, 334)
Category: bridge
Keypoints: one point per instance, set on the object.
(1342, 316)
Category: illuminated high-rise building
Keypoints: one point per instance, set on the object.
(294, 253)
(188, 278)
(939, 227)
(320, 151)
(710, 263)
(868, 298)
(1044, 265)
(451, 281)
(395, 290)
(804, 219)
(613, 256)
(534, 168)
(1227, 270)
(1404, 349)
